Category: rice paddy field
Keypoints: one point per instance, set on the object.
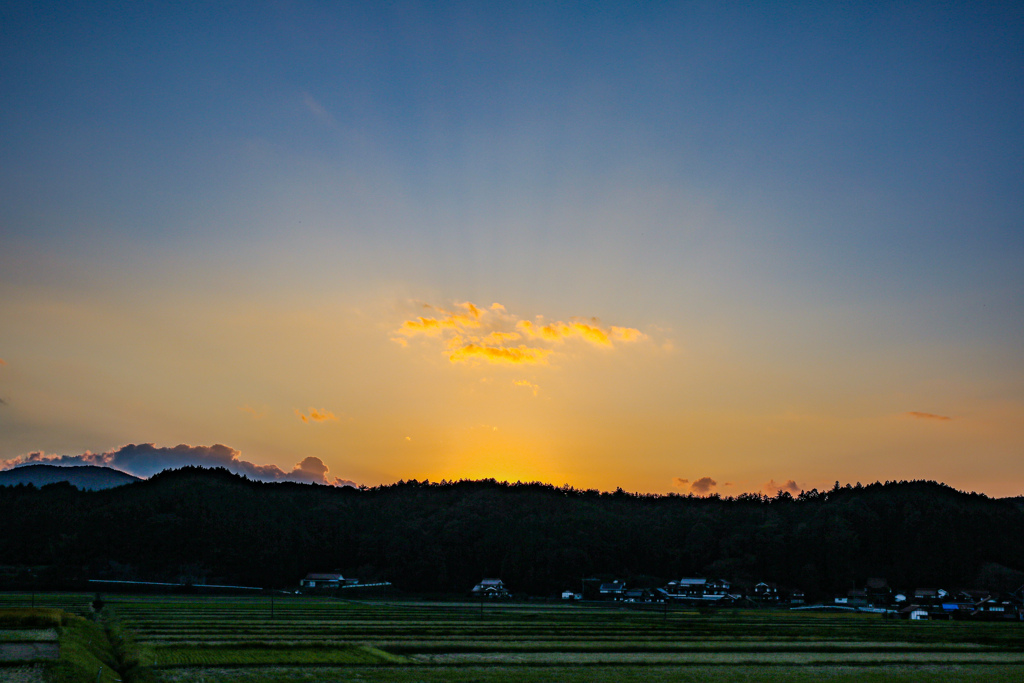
(296, 638)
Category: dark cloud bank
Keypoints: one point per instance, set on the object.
(145, 460)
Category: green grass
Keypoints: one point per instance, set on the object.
(85, 654)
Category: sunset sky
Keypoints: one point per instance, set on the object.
(669, 247)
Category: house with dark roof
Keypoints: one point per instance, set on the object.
(613, 590)
(855, 597)
(490, 589)
(878, 592)
(319, 582)
(697, 589)
(766, 593)
(998, 608)
(636, 595)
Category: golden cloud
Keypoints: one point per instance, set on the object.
(528, 384)
(558, 332)
(628, 334)
(502, 337)
(492, 354)
(425, 325)
(316, 416)
(928, 416)
(472, 333)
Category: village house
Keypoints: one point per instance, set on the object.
(699, 589)
(997, 608)
(974, 605)
(766, 593)
(323, 582)
(878, 592)
(612, 590)
(490, 589)
(636, 595)
(855, 597)
(929, 596)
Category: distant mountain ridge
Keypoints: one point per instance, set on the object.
(85, 477)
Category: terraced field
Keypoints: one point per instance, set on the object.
(45, 642)
(72, 603)
(326, 639)
(213, 639)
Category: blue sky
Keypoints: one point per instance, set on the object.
(813, 210)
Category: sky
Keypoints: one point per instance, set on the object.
(701, 247)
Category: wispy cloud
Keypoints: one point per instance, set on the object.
(318, 110)
(256, 414)
(145, 460)
(316, 416)
(472, 333)
(529, 385)
(927, 416)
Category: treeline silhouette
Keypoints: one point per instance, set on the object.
(212, 526)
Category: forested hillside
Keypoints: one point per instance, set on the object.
(81, 476)
(213, 526)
